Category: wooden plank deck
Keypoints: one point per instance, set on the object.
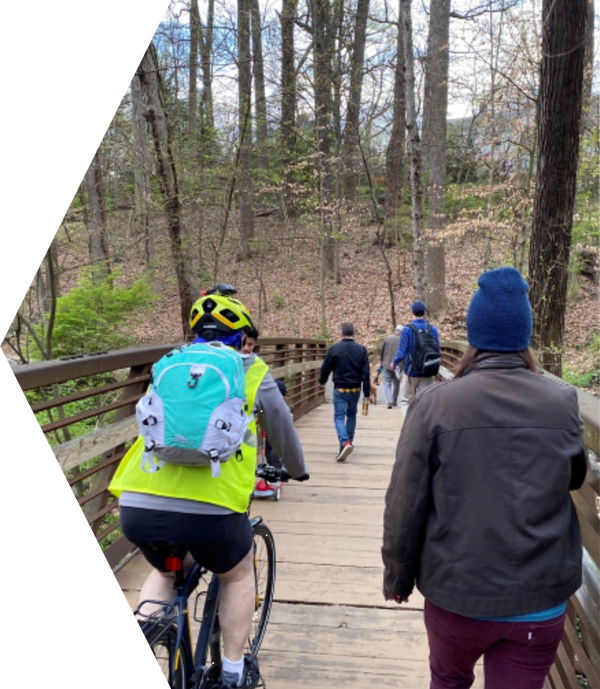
(330, 626)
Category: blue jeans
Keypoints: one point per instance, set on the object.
(344, 414)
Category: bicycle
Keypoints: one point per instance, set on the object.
(168, 629)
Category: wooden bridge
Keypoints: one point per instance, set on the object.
(330, 626)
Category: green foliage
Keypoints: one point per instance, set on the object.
(91, 317)
(587, 378)
(461, 156)
(463, 200)
(586, 223)
(278, 300)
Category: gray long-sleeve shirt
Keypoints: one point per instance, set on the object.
(275, 419)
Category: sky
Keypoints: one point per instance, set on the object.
(64, 73)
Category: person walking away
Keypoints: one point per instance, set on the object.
(196, 508)
(415, 378)
(391, 384)
(478, 512)
(349, 363)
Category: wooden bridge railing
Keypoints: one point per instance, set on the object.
(86, 407)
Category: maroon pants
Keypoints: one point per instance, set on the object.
(516, 655)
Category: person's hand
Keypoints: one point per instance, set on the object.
(395, 599)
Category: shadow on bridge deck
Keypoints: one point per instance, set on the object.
(330, 626)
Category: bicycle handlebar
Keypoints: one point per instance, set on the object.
(274, 474)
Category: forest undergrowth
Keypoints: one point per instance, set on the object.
(280, 284)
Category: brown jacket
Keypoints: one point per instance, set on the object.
(478, 510)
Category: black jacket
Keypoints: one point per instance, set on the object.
(349, 362)
(478, 510)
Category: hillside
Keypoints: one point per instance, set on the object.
(284, 278)
(280, 285)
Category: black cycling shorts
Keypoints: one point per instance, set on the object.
(217, 542)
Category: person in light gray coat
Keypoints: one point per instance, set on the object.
(391, 382)
(478, 513)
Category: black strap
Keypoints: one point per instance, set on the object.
(416, 330)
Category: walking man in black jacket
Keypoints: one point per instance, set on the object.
(349, 362)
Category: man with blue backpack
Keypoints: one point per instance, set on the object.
(419, 351)
(188, 478)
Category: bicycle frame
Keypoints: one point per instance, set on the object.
(177, 612)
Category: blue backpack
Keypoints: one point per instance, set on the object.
(194, 411)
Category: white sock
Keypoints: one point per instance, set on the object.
(232, 669)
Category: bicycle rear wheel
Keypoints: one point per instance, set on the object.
(264, 577)
(162, 640)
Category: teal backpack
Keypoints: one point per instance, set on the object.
(194, 411)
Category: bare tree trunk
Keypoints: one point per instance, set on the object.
(288, 100)
(414, 143)
(141, 171)
(245, 185)
(323, 52)
(589, 59)
(494, 52)
(351, 159)
(561, 87)
(260, 102)
(436, 97)
(336, 41)
(394, 156)
(206, 46)
(98, 240)
(150, 87)
(193, 64)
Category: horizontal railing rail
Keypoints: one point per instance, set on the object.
(86, 407)
(577, 663)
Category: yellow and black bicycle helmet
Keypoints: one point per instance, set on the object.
(215, 314)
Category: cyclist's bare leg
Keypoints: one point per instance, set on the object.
(159, 586)
(236, 607)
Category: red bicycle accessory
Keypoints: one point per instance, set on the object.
(173, 564)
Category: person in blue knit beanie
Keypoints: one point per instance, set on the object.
(478, 510)
(499, 317)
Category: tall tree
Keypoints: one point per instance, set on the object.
(394, 156)
(436, 97)
(288, 99)
(141, 170)
(152, 100)
(414, 144)
(245, 184)
(260, 101)
(560, 98)
(97, 239)
(193, 66)
(323, 55)
(589, 62)
(351, 159)
(206, 48)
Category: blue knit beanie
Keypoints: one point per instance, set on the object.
(499, 316)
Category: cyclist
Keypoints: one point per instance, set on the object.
(181, 505)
